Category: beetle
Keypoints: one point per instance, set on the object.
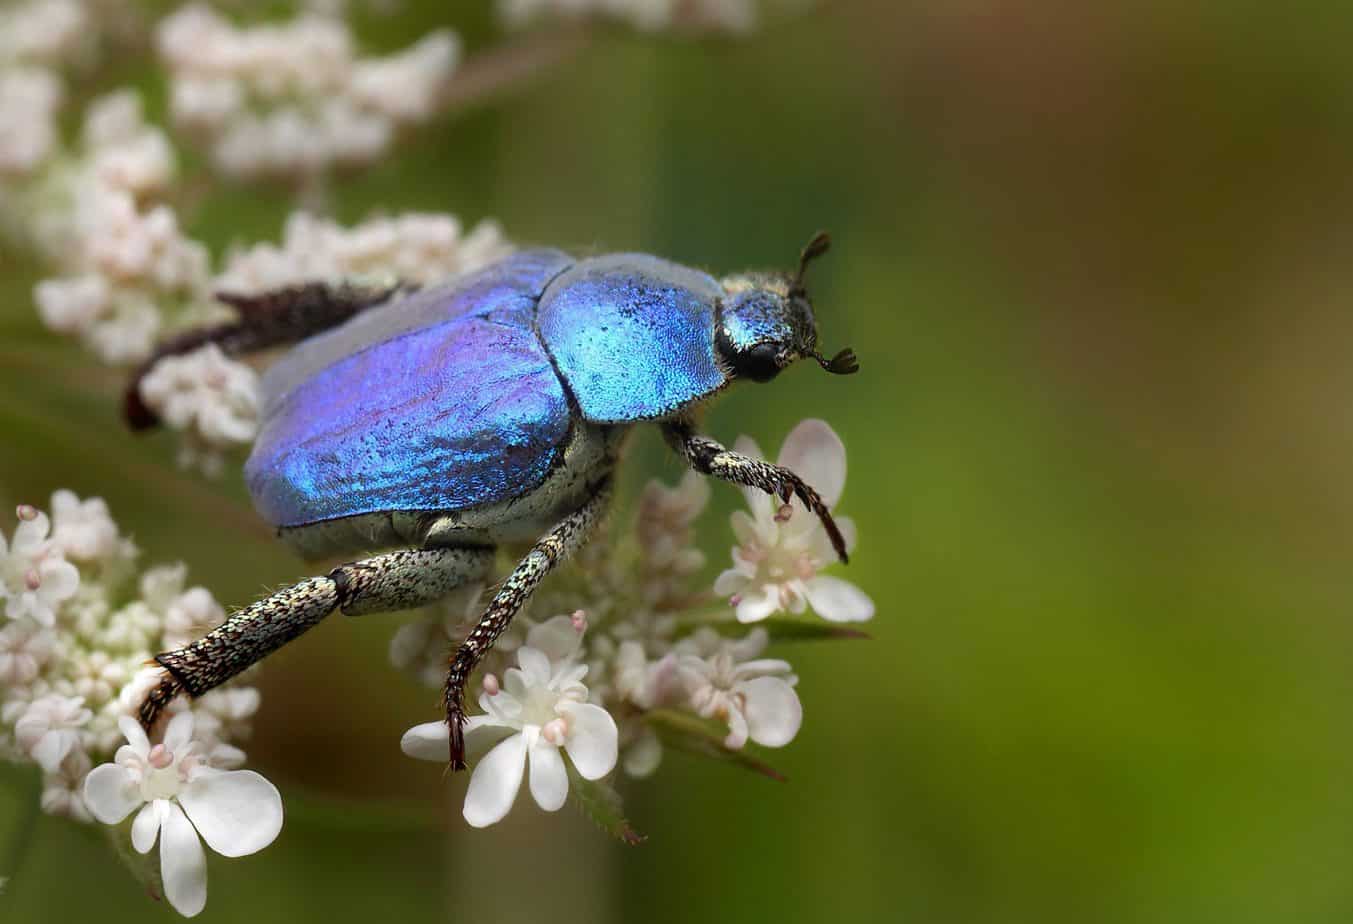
(445, 421)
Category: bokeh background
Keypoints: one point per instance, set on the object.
(1095, 261)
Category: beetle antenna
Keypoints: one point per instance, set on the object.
(843, 363)
(815, 248)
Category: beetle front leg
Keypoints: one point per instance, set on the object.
(280, 316)
(552, 548)
(709, 457)
(393, 581)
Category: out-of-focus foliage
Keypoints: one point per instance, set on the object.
(1095, 265)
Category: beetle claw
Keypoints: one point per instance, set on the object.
(457, 740)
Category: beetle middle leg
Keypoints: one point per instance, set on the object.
(285, 315)
(393, 581)
(710, 457)
(551, 549)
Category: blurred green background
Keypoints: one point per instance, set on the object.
(1094, 259)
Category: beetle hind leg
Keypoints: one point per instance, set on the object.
(551, 549)
(383, 583)
(281, 316)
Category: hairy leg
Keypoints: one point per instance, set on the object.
(515, 590)
(709, 457)
(281, 316)
(393, 581)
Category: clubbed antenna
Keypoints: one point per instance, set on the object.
(815, 248)
(843, 363)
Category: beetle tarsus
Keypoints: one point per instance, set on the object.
(456, 726)
(709, 457)
(158, 699)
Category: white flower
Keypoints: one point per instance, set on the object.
(29, 98)
(63, 791)
(96, 676)
(642, 682)
(84, 530)
(664, 528)
(755, 697)
(410, 247)
(73, 304)
(206, 393)
(34, 578)
(421, 647)
(642, 750)
(292, 99)
(780, 552)
(732, 16)
(237, 812)
(540, 708)
(49, 729)
(125, 152)
(226, 712)
(25, 648)
(404, 86)
(189, 616)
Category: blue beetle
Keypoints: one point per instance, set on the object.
(446, 421)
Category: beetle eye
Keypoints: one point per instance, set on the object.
(760, 363)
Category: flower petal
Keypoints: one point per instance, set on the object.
(549, 779)
(429, 741)
(644, 755)
(535, 666)
(146, 825)
(111, 793)
(29, 535)
(838, 600)
(135, 735)
(494, 784)
(773, 710)
(183, 864)
(593, 739)
(237, 812)
(730, 582)
(51, 749)
(60, 579)
(814, 452)
(757, 603)
(556, 638)
(178, 732)
(736, 738)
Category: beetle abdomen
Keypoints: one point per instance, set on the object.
(632, 335)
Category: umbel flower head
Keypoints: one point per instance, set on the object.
(539, 710)
(74, 635)
(181, 800)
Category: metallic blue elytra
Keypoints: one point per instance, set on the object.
(508, 386)
(633, 336)
(441, 401)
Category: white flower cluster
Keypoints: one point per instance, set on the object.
(733, 16)
(36, 39)
(638, 649)
(127, 269)
(129, 273)
(412, 247)
(293, 99)
(76, 630)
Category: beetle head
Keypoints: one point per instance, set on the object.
(766, 322)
